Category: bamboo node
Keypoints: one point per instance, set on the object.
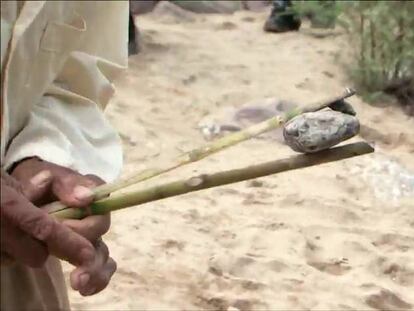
(195, 181)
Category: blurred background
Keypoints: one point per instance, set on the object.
(338, 236)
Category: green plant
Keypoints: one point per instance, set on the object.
(322, 13)
(383, 36)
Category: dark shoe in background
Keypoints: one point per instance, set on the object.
(133, 47)
(282, 18)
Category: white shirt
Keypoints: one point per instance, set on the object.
(58, 62)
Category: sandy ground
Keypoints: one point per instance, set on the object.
(334, 237)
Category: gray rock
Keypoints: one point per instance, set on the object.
(233, 119)
(315, 131)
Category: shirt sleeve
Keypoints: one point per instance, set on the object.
(67, 127)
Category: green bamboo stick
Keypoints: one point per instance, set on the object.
(218, 145)
(196, 183)
(208, 149)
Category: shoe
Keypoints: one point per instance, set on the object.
(282, 24)
(281, 20)
(132, 37)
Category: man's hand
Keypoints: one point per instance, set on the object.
(72, 189)
(29, 235)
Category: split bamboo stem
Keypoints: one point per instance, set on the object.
(208, 149)
(219, 144)
(201, 182)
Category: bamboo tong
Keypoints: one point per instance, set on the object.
(103, 205)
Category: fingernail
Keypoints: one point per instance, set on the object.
(82, 193)
(84, 279)
(40, 179)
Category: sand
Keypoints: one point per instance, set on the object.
(338, 236)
